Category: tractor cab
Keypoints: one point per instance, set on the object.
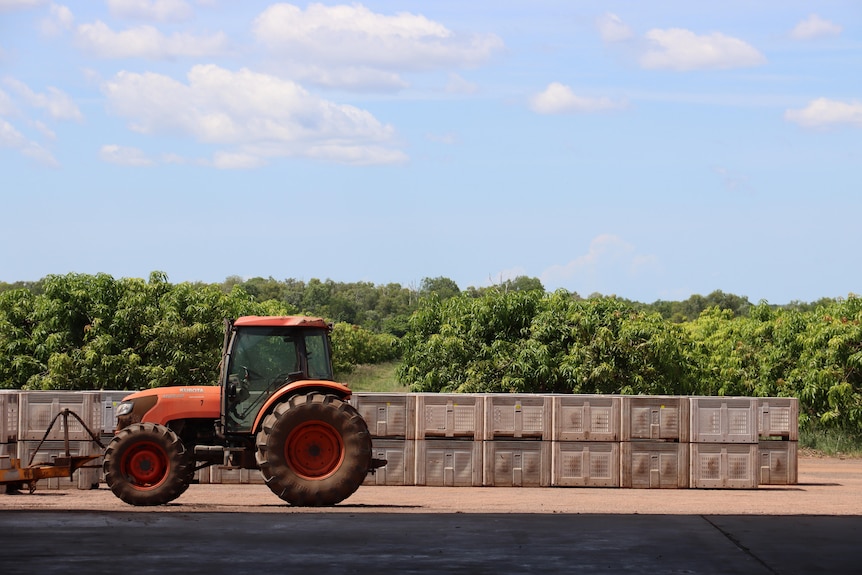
(263, 356)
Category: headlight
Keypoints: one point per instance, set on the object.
(125, 408)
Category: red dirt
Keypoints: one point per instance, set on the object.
(827, 486)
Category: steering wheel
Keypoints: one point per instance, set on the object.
(250, 373)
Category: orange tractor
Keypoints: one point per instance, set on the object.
(277, 409)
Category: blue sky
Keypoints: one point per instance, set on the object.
(648, 149)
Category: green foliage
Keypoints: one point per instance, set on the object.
(353, 345)
(831, 441)
(378, 377)
(444, 288)
(532, 342)
(81, 331)
(95, 332)
(690, 309)
(382, 309)
(519, 283)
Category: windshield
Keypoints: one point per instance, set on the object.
(263, 359)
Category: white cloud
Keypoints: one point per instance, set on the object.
(158, 10)
(458, 85)
(608, 256)
(45, 130)
(228, 161)
(124, 156)
(6, 106)
(612, 28)
(57, 103)
(824, 112)
(683, 50)
(360, 79)
(258, 116)
(815, 27)
(14, 4)
(344, 39)
(60, 19)
(146, 42)
(12, 138)
(9, 136)
(560, 99)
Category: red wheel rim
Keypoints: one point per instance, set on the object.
(145, 464)
(314, 450)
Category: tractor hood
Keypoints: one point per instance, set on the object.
(164, 404)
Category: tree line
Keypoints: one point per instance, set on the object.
(558, 343)
(386, 308)
(79, 331)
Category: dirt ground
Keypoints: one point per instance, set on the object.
(827, 486)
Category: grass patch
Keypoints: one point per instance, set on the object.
(830, 442)
(379, 377)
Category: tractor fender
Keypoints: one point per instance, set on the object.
(339, 390)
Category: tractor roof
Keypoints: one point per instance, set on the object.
(281, 321)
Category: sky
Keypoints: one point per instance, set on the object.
(649, 149)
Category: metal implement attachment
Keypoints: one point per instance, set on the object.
(17, 476)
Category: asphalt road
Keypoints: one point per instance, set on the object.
(396, 543)
(809, 528)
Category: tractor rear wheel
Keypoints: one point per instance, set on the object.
(147, 464)
(314, 450)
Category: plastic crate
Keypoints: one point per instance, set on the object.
(656, 418)
(448, 463)
(387, 414)
(778, 417)
(7, 451)
(585, 464)
(727, 466)
(36, 410)
(586, 418)
(654, 465)
(723, 419)
(517, 464)
(400, 468)
(106, 422)
(234, 476)
(8, 416)
(518, 416)
(449, 415)
(778, 463)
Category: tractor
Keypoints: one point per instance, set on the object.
(276, 409)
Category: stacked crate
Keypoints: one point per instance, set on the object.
(778, 436)
(448, 439)
(102, 422)
(504, 440)
(516, 443)
(724, 442)
(8, 427)
(391, 419)
(654, 445)
(106, 422)
(37, 410)
(586, 440)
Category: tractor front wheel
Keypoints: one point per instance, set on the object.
(147, 464)
(314, 450)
